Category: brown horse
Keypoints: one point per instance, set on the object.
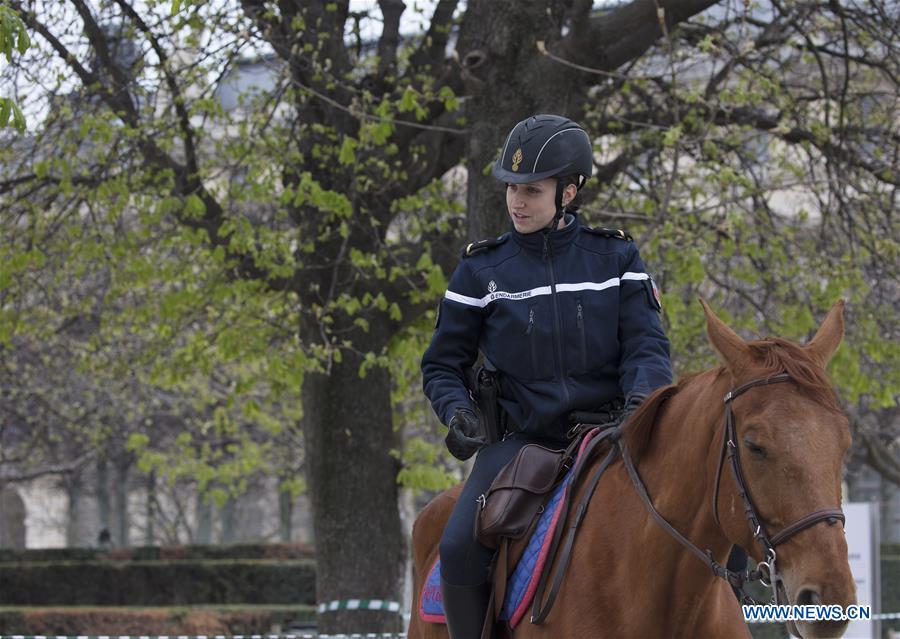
(630, 578)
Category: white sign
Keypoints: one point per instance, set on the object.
(863, 550)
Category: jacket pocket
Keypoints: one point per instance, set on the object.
(533, 340)
(581, 359)
(591, 343)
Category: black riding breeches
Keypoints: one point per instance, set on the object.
(464, 560)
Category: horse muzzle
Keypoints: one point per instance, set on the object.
(830, 601)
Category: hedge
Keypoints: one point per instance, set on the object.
(157, 583)
(154, 621)
(155, 553)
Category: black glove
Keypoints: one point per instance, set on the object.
(466, 436)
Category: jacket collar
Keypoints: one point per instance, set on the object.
(560, 239)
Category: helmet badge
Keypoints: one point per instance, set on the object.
(517, 158)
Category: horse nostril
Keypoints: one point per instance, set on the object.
(809, 597)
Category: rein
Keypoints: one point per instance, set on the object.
(766, 571)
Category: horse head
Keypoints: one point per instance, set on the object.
(791, 439)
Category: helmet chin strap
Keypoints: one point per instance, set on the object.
(560, 210)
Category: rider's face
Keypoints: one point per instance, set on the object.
(531, 206)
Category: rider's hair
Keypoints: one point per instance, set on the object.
(566, 180)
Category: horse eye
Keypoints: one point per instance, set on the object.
(754, 448)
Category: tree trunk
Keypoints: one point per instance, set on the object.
(102, 496)
(12, 518)
(352, 474)
(120, 493)
(204, 515)
(229, 521)
(485, 199)
(285, 515)
(73, 487)
(508, 80)
(150, 530)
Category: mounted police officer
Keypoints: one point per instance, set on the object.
(568, 316)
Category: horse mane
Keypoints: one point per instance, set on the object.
(777, 355)
(639, 427)
(770, 356)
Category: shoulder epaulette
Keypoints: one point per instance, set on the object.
(480, 245)
(615, 233)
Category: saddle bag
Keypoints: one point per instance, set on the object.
(518, 493)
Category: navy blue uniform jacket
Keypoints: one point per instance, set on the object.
(569, 318)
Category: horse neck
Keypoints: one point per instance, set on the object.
(679, 465)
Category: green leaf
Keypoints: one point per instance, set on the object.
(194, 208)
(407, 100)
(18, 118)
(347, 153)
(24, 41)
(672, 135)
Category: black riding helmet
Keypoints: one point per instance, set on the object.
(545, 146)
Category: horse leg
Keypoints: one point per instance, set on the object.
(426, 537)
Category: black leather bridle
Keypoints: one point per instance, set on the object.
(769, 574)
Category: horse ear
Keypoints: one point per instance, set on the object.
(829, 336)
(733, 351)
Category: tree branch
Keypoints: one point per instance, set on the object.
(389, 42)
(184, 119)
(270, 28)
(887, 466)
(8, 476)
(187, 182)
(120, 95)
(429, 55)
(661, 118)
(578, 40)
(628, 31)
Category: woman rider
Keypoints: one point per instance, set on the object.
(567, 314)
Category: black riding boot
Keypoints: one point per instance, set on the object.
(465, 608)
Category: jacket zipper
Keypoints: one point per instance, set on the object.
(557, 334)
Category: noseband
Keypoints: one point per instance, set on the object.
(770, 575)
